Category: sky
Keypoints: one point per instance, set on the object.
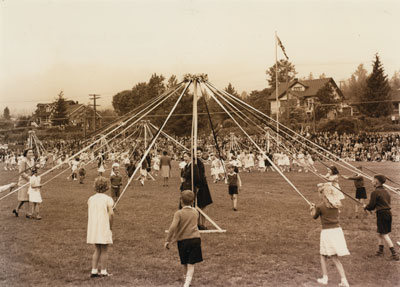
(84, 47)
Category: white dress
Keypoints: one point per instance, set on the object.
(215, 167)
(34, 193)
(156, 163)
(261, 160)
(99, 231)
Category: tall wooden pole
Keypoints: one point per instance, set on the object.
(276, 87)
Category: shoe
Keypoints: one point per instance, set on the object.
(29, 216)
(105, 275)
(344, 283)
(94, 275)
(395, 257)
(234, 209)
(37, 217)
(322, 281)
(15, 213)
(379, 253)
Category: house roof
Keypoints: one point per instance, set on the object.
(311, 87)
(72, 108)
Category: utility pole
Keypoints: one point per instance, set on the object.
(94, 97)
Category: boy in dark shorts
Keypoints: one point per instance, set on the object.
(116, 182)
(234, 183)
(184, 230)
(361, 194)
(380, 201)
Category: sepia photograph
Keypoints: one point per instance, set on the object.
(202, 143)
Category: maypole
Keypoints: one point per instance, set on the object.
(276, 87)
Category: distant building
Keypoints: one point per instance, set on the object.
(303, 94)
(77, 114)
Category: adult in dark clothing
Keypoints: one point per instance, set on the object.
(203, 196)
(380, 201)
(130, 168)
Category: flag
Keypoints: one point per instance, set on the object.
(283, 48)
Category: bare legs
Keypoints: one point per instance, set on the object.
(20, 204)
(339, 267)
(189, 271)
(100, 258)
(234, 201)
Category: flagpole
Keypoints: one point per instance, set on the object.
(276, 88)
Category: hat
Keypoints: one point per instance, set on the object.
(380, 177)
(115, 164)
(331, 193)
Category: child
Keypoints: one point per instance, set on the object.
(233, 179)
(143, 172)
(184, 230)
(82, 172)
(34, 194)
(116, 182)
(74, 168)
(332, 242)
(100, 221)
(380, 201)
(333, 177)
(361, 194)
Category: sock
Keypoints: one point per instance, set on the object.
(381, 248)
(392, 250)
(187, 281)
(95, 271)
(103, 272)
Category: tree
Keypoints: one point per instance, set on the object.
(60, 111)
(6, 114)
(122, 102)
(326, 102)
(23, 121)
(259, 99)
(310, 76)
(126, 101)
(231, 90)
(286, 72)
(395, 80)
(172, 81)
(377, 92)
(355, 87)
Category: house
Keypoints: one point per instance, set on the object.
(395, 95)
(77, 115)
(303, 94)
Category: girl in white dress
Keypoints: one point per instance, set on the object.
(100, 220)
(35, 198)
(215, 166)
(261, 161)
(156, 164)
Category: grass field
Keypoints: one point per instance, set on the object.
(271, 241)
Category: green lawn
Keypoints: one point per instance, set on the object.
(271, 241)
